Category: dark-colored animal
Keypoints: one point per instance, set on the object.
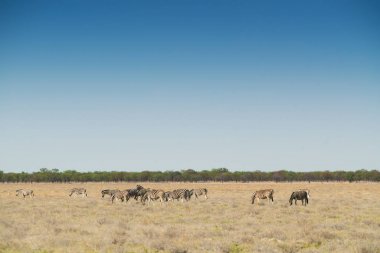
(108, 192)
(263, 194)
(306, 190)
(78, 191)
(299, 195)
(137, 192)
(25, 193)
(198, 192)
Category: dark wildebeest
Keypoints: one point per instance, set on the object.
(137, 192)
(299, 195)
(25, 193)
(263, 194)
(306, 190)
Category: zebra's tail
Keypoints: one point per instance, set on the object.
(253, 197)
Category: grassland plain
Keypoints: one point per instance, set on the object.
(340, 217)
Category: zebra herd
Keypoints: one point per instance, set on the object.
(148, 195)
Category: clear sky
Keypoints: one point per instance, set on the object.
(170, 85)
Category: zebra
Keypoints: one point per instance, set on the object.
(108, 192)
(152, 194)
(78, 191)
(198, 192)
(299, 195)
(120, 195)
(168, 196)
(178, 194)
(25, 192)
(263, 194)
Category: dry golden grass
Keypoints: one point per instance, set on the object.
(340, 217)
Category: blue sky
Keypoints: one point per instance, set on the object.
(169, 85)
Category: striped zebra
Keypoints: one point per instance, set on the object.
(179, 194)
(120, 195)
(153, 194)
(25, 193)
(198, 192)
(108, 192)
(263, 194)
(78, 191)
(168, 196)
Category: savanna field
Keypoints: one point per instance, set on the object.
(340, 217)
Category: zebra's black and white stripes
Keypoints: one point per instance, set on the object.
(78, 191)
(24, 192)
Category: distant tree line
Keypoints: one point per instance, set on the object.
(188, 175)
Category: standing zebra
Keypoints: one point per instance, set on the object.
(263, 194)
(152, 194)
(78, 191)
(178, 194)
(25, 192)
(108, 192)
(120, 195)
(198, 192)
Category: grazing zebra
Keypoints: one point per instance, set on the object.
(168, 196)
(152, 194)
(108, 192)
(198, 192)
(263, 194)
(299, 195)
(120, 195)
(178, 194)
(24, 193)
(78, 191)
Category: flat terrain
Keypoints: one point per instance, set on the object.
(340, 217)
